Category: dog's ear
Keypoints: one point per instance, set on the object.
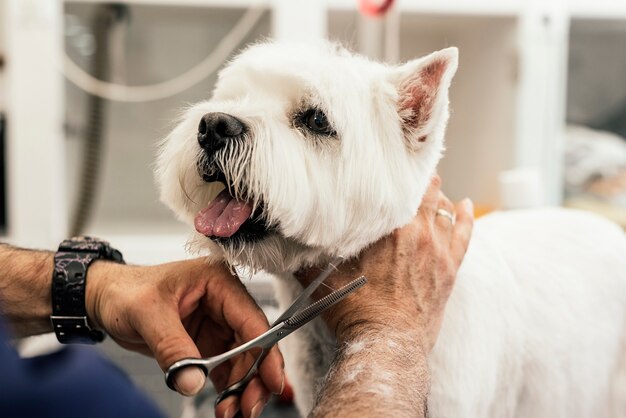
(422, 86)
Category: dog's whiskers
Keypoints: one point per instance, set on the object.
(183, 188)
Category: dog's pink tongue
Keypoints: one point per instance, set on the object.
(223, 217)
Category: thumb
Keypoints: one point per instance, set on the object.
(169, 342)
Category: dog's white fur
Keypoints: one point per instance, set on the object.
(536, 325)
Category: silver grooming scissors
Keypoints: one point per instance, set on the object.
(292, 319)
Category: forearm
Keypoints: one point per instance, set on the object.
(25, 278)
(376, 374)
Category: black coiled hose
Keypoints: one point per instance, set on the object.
(104, 18)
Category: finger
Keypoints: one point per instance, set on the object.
(231, 304)
(445, 213)
(254, 398)
(228, 408)
(169, 342)
(231, 373)
(272, 371)
(462, 229)
(429, 202)
(242, 314)
(251, 402)
(221, 375)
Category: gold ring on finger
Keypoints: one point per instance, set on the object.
(446, 214)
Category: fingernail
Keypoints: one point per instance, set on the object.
(230, 412)
(282, 383)
(190, 381)
(469, 206)
(257, 408)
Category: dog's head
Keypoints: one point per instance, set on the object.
(306, 152)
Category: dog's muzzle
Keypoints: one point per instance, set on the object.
(216, 131)
(229, 219)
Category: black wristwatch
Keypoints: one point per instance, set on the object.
(71, 263)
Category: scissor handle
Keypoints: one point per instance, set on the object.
(182, 364)
(240, 385)
(263, 341)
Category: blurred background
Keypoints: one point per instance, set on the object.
(538, 108)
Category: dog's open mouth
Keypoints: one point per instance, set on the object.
(229, 220)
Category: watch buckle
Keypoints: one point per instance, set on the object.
(77, 322)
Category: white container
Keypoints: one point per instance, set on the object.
(520, 188)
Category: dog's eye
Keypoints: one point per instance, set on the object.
(316, 121)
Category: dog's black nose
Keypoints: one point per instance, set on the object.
(216, 129)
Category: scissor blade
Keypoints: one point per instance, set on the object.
(303, 298)
(326, 302)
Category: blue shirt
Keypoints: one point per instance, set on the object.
(75, 382)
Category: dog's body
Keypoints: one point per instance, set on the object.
(533, 328)
(323, 153)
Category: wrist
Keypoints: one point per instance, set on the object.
(102, 277)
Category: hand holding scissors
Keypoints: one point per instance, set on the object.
(292, 319)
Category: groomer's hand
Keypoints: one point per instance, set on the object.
(410, 274)
(185, 309)
(388, 327)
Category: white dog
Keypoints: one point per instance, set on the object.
(323, 152)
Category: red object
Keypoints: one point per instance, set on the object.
(375, 8)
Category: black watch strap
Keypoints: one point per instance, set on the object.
(69, 279)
